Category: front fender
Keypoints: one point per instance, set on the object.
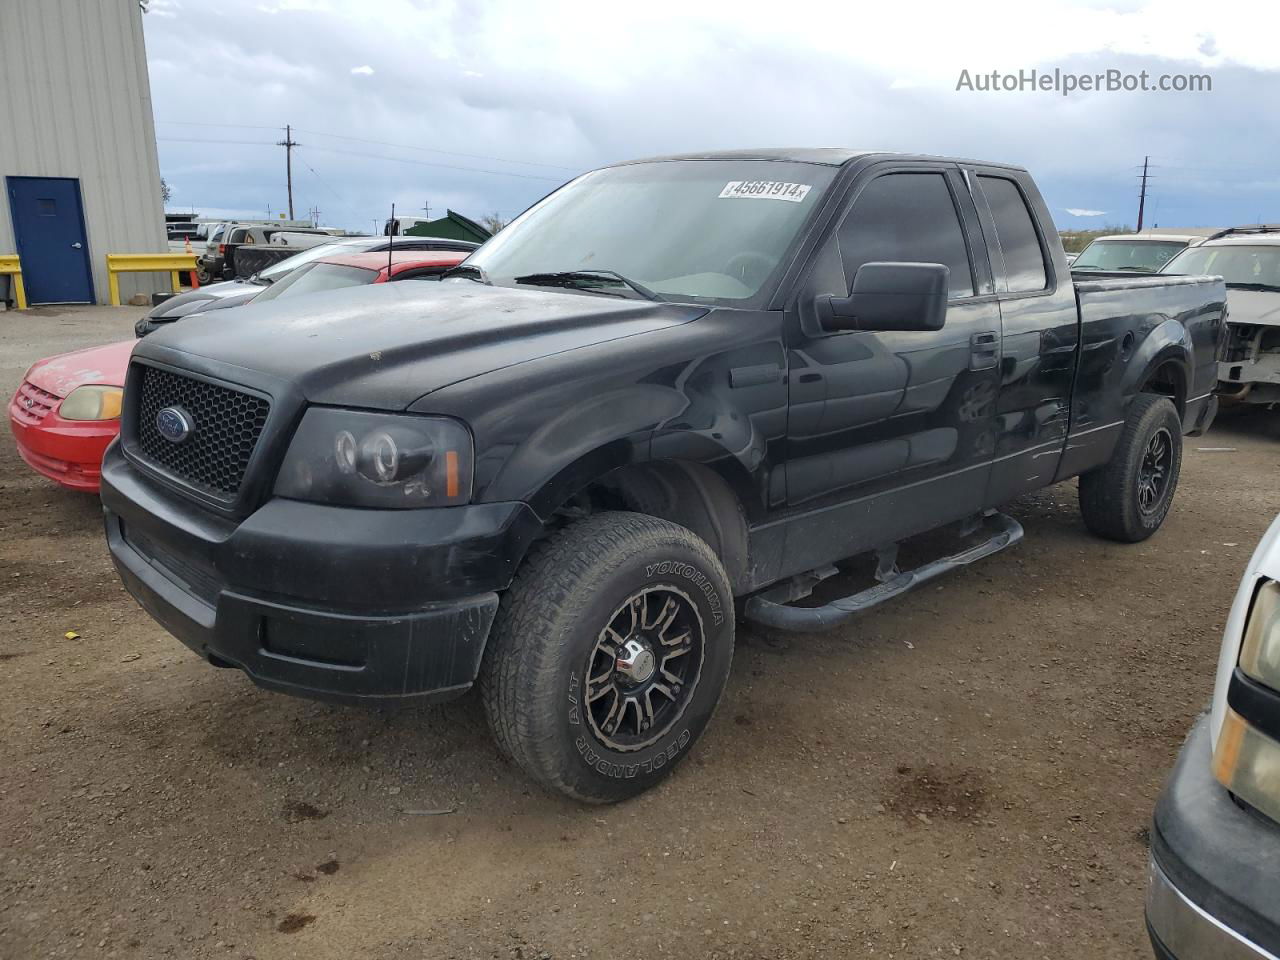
(559, 456)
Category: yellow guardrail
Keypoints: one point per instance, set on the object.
(9, 265)
(169, 263)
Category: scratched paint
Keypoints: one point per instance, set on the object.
(61, 374)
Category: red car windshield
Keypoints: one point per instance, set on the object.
(316, 278)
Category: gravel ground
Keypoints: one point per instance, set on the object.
(968, 771)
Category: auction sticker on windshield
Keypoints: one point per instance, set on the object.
(765, 190)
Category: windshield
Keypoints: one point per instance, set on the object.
(700, 229)
(316, 277)
(1239, 265)
(289, 264)
(1143, 256)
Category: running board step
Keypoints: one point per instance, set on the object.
(772, 609)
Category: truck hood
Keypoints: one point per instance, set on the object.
(1253, 306)
(383, 346)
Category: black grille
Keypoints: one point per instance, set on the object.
(226, 424)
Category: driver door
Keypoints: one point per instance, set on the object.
(892, 433)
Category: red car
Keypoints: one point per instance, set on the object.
(68, 407)
(355, 269)
(67, 410)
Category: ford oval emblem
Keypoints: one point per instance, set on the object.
(174, 424)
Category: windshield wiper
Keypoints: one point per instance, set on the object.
(586, 280)
(1269, 287)
(468, 270)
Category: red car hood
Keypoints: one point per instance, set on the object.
(61, 374)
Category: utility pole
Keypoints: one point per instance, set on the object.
(288, 143)
(1142, 195)
(426, 210)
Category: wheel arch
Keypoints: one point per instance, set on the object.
(1162, 365)
(684, 492)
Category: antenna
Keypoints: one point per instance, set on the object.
(391, 241)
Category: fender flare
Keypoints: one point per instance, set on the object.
(1167, 343)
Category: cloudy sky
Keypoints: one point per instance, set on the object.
(486, 106)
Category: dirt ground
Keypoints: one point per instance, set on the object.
(968, 771)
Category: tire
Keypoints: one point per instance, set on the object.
(203, 275)
(557, 671)
(1118, 500)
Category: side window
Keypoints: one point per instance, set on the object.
(907, 217)
(1023, 257)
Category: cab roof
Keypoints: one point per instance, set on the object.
(827, 156)
(1150, 238)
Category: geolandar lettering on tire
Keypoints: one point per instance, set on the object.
(621, 771)
(676, 568)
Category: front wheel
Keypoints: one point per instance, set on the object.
(608, 655)
(1128, 498)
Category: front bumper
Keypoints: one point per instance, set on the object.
(1214, 868)
(69, 452)
(1265, 369)
(326, 602)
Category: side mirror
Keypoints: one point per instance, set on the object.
(890, 296)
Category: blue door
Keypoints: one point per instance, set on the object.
(49, 225)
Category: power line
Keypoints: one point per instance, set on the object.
(322, 180)
(451, 153)
(371, 156)
(441, 166)
(249, 143)
(377, 143)
(239, 126)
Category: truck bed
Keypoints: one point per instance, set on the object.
(1128, 324)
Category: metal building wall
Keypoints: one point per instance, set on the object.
(75, 101)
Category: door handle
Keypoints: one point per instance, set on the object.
(984, 350)
(76, 245)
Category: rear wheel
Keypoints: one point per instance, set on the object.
(609, 655)
(1128, 498)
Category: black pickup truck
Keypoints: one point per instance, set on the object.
(673, 392)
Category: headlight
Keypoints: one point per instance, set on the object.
(359, 459)
(1260, 647)
(1245, 760)
(92, 402)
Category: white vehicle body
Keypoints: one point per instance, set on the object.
(1215, 838)
(1264, 565)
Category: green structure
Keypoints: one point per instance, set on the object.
(452, 226)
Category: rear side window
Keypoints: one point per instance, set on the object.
(426, 273)
(1023, 257)
(910, 218)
